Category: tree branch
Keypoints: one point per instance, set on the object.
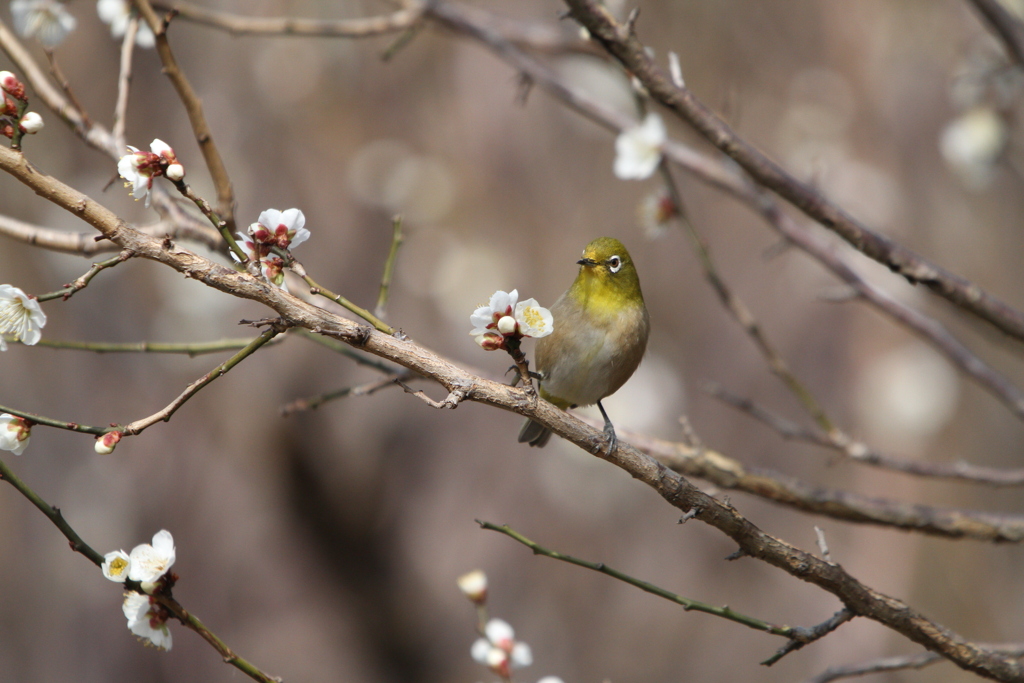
(858, 598)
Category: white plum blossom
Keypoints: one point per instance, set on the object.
(150, 562)
(534, 320)
(115, 565)
(31, 123)
(638, 150)
(46, 20)
(14, 433)
(474, 586)
(140, 168)
(504, 318)
(499, 650)
(147, 620)
(485, 318)
(117, 13)
(972, 143)
(284, 229)
(21, 318)
(550, 679)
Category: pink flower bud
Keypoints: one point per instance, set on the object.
(106, 443)
(10, 84)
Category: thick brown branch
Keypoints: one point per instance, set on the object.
(727, 473)
(624, 45)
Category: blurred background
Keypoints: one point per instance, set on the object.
(325, 545)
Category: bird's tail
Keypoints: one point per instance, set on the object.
(534, 433)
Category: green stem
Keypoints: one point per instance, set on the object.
(59, 424)
(75, 541)
(389, 265)
(725, 612)
(191, 349)
(192, 622)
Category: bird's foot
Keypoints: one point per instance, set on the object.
(611, 439)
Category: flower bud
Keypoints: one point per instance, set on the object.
(507, 325)
(490, 341)
(31, 123)
(474, 586)
(106, 443)
(10, 84)
(175, 172)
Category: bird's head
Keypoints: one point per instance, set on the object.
(607, 273)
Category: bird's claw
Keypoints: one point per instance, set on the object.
(611, 438)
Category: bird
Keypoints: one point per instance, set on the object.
(600, 334)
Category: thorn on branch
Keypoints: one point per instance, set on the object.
(822, 545)
(690, 514)
(737, 555)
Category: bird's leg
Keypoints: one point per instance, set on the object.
(515, 380)
(609, 431)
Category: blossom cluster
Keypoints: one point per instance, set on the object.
(274, 229)
(13, 103)
(503, 319)
(139, 168)
(147, 565)
(497, 648)
(49, 21)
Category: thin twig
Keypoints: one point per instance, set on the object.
(742, 315)
(124, 80)
(194, 109)
(292, 26)
(804, 636)
(82, 282)
(62, 81)
(191, 349)
(59, 424)
(318, 290)
(861, 452)
(314, 402)
(724, 612)
(389, 266)
(138, 426)
(54, 515)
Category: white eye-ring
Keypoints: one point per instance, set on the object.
(614, 263)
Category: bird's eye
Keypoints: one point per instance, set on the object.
(614, 263)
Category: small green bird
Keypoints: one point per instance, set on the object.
(601, 328)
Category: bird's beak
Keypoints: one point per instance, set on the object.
(587, 262)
